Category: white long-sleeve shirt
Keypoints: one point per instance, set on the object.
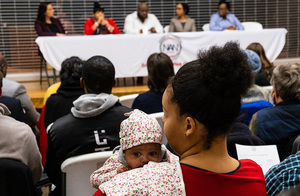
(133, 24)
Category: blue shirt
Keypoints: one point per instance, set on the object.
(149, 102)
(283, 176)
(218, 23)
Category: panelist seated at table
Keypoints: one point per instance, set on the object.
(223, 20)
(142, 22)
(45, 23)
(182, 22)
(98, 24)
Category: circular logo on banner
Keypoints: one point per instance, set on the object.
(171, 46)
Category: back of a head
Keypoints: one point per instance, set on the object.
(3, 64)
(254, 61)
(210, 88)
(98, 75)
(258, 48)
(286, 80)
(71, 70)
(160, 69)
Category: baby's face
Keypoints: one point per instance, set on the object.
(140, 155)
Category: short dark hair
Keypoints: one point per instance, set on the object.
(97, 7)
(210, 89)
(186, 8)
(160, 69)
(227, 4)
(71, 70)
(98, 74)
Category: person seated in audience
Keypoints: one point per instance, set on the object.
(18, 142)
(278, 124)
(98, 24)
(182, 22)
(256, 98)
(93, 124)
(200, 104)
(284, 176)
(263, 77)
(141, 21)
(223, 20)
(45, 23)
(160, 69)
(61, 102)
(16, 90)
(141, 142)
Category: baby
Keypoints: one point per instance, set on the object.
(141, 142)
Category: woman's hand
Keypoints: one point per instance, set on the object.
(60, 34)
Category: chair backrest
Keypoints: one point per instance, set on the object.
(127, 100)
(78, 170)
(252, 26)
(205, 27)
(12, 170)
(158, 117)
(166, 28)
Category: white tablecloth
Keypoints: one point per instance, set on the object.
(129, 53)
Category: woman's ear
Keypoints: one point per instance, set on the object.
(190, 126)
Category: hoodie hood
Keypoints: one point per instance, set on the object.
(90, 105)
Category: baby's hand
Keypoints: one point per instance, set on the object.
(121, 169)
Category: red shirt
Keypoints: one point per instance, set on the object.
(248, 179)
(89, 23)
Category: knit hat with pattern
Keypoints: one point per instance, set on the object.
(139, 128)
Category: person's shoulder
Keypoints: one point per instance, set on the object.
(214, 15)
(151, 15)
(133, 14)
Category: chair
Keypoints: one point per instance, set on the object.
(158, 117)
(43, 65)
(16, 178)
(166, 29)
(127, 100)
(252, 26)
(205, 27)
(77, 171)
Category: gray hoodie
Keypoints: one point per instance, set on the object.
(89, 105)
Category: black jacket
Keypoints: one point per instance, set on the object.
(70, 136)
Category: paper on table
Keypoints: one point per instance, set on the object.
(264, 155)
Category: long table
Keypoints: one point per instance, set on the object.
(129, 53)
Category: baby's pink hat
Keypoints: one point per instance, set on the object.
(139, 128)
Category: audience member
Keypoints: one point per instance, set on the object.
(141, 21)
(283, 176)
(45, 23)
(18, 91)
(160, 69)
(223, 20)
(182, 22)
(141, 142)
(98, 24)
(263, 77)
(18, 142)
(94, 121)
(276, 125)
(60, 103)
(200, 105)
(256, 97)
